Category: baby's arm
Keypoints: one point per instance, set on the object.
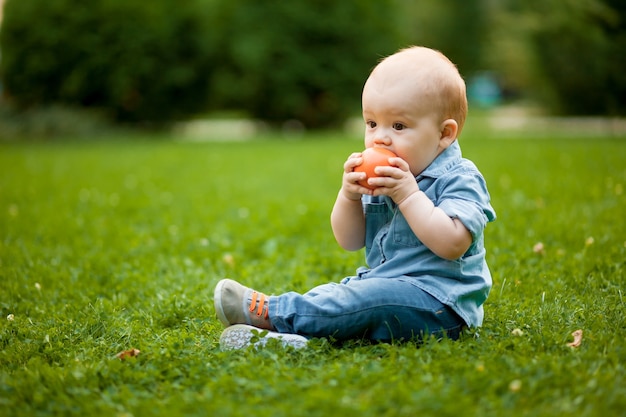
(445, 236)
(348, 222)
(347, 218)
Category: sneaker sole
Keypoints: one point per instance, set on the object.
(217, 302)
(239, 336)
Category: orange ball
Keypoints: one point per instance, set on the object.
(372, 158)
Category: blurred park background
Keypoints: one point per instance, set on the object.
(75, 67)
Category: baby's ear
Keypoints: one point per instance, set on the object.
(449, 130)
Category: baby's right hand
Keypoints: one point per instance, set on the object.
(350, 182)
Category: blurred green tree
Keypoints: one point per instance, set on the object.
(277, 60)
(581, 48)
(569, 55)
(459, 29)
(141, 61)
(281, 60)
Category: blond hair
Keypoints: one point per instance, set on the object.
(437, 77)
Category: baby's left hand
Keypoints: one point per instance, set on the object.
(395, 181)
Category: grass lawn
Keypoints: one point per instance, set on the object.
(112, 245)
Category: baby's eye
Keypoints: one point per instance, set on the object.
(371, 124)
(398, 126)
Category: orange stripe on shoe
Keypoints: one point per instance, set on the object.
(259, 310)
(253, 302)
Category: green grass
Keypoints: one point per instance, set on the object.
(106, 246)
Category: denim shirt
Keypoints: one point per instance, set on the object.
(392, 250)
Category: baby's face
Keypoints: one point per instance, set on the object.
(398, 117)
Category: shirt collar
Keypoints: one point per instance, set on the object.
(442, 164)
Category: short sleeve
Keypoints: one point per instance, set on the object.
(464, 196)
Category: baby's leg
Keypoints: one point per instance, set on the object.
(374, 308)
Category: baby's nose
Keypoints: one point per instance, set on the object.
(382, 139)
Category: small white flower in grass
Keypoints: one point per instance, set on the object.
(539, 248)
(84, 195)
(243, 212)
(228, 259)
(515, 385)
(37, 286)
(130, 182)
(517, 332)
(10, 317)
(14, 210)
(114, 200)
(589, 241)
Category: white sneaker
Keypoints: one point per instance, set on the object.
(239, 336)
(236, 304)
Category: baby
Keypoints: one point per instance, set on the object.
(421, 224)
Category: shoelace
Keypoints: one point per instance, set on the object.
(261, 305)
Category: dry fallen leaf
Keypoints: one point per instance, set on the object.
(578, 339)
(130, 353)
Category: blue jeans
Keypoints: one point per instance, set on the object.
(380, 309)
